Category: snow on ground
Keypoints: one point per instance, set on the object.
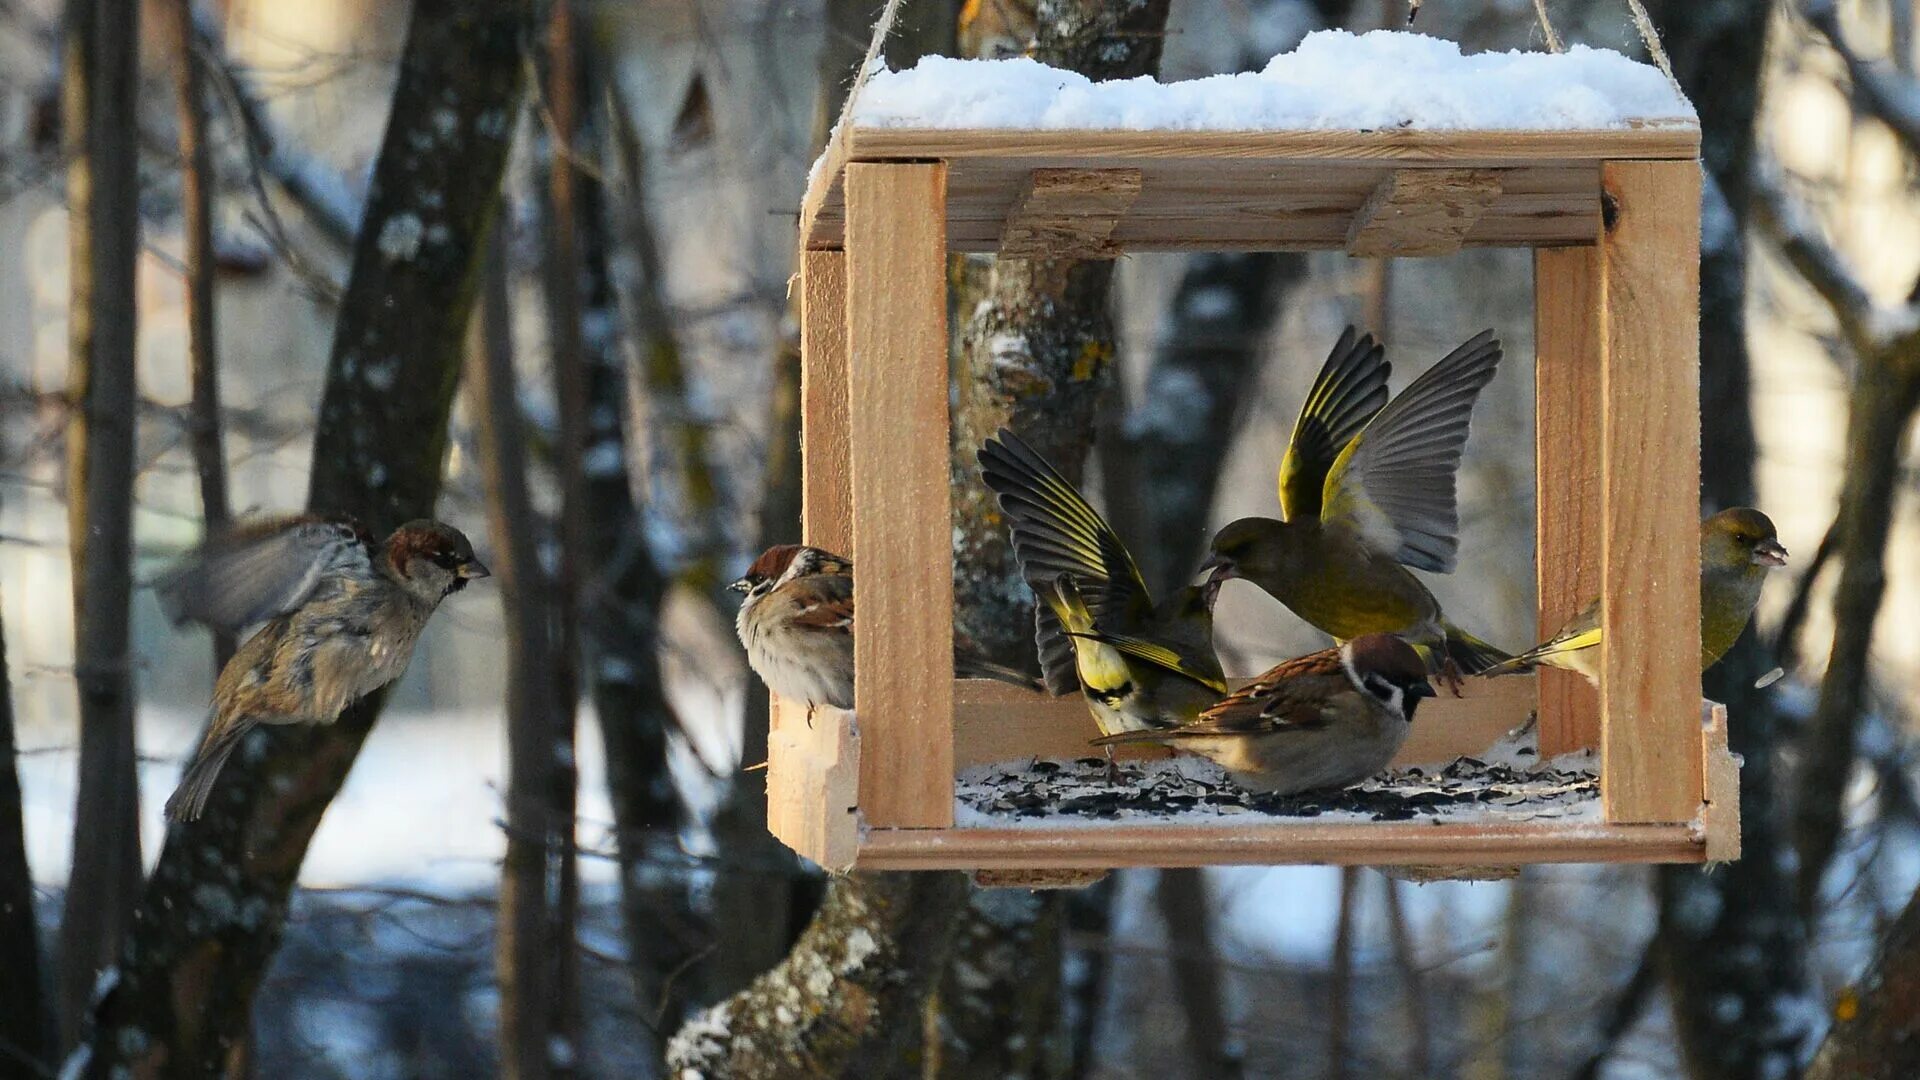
(1335, 80)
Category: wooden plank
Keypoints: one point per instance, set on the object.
(994, 722)
(1036, 879)
(1720, 816)
(826, 468)
(1650, 493)
(1104, 149)
(1229, 204)
(1381, 843)
(1421, 212)
(1069, 213)
(1566, 457)
(902, 516)
(812, 774)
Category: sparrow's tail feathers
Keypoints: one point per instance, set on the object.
(1471, 654)
(1126, 738)
(973, 667)
(190, 798)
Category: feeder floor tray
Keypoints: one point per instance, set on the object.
(1193, 791)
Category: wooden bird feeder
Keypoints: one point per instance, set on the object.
(1613, 218)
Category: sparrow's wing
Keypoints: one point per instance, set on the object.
(1291, 697)
(1350, 389)
(262, 569)
(1056, 531)
(1393, 485)
(826, 604)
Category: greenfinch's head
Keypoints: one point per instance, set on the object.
(1739, 539)
(1243, 548)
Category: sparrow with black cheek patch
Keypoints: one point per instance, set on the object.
(796, 623)
(342, 614)
(1326, 720)
(1366, 491)
(1737, 548)
(1140, 665)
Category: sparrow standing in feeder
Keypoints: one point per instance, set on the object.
(1141, 666)
(1367, 490)
(1326, 720)
(1737, 548)
(342, 614)
(796, 623)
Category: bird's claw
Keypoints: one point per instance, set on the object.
(1450, 676)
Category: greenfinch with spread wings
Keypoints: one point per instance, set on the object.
(1367, 491)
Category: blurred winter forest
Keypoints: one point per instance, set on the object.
(250, 260)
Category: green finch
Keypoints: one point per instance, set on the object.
(1366, 491)
(1737, 548)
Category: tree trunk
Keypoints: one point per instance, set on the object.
(1187, 910)
(25, 1021)
(847, 1001)
(620, 620)
(101, 83)
(197, 182)
(493, 401)
(1732, 948)
(1876, 1021)
(213, 909)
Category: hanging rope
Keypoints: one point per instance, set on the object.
(881, 29)
(1648, 34)
(1546, 27)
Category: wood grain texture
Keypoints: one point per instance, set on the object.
(1566, 456)
(1720, 815)
(902, 507)
(1385, 843)
(813, 771)
(1421, 212)
(1650, 494)
(1469, 148)
(995, 722)
(1036, 879)
(826, 467)
(1069, 213)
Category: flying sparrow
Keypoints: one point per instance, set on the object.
(1326, 720)
(1367, 490)
(342, 614)
(796, 623)
(1737, 548)
(1140, 665)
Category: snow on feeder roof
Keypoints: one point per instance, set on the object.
(1333, 81)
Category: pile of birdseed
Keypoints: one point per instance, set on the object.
(1503, 785)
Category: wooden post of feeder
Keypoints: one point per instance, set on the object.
(1566, 418)
(1649, 315)
(902, 504)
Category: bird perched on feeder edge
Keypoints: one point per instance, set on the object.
(1139, 664)
(1738, 546)
(1366, 491)
(1325, 720)
(796, 623)
(342, 614)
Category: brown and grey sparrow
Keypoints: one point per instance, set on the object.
(342, 613)
(1326, 720)
(796, 623)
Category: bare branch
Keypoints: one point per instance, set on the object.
(1889, 97)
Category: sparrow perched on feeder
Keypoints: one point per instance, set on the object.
(342, 613)
(1367, 490)
(1140, 665)
(796, 623)
(1325, 720)
(1737, 548)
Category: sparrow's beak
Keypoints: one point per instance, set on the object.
(740, 586)
(1769, 553)
(473, 569)
(1421, 689)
